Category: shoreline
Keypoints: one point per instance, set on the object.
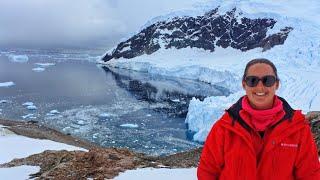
(98, 162)
(34, 130)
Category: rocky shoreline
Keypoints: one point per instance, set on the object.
(99, 162)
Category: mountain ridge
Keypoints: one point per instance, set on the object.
(205, 32)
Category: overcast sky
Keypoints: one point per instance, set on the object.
(77, 23)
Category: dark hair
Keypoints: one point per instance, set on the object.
(260, 60)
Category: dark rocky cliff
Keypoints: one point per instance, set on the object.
(206, 32)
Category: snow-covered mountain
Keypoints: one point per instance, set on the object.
(215, 46)
(205, 32)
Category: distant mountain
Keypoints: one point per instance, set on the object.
(205, 32)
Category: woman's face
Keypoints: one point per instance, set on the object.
(260, 96)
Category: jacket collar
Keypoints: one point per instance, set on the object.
(234, 111)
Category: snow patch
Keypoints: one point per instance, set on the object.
(158, 174)
(11, 147)
(19, 172)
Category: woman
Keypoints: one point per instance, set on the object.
(260, 136)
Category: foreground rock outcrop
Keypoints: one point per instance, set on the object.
(99, 163)
(314, 119)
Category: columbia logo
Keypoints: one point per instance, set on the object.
(289, 145)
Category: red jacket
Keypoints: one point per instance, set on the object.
(288, 153)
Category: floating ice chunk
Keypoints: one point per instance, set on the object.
(175, 100)
(28, 116)
(27, 104)
(104, 115)
(32, 107)
(38, 69)
(18, 58)
(81, 122)
(129, 125)
(66, 128)
(3, 101)
(7, 84)
(45, 64)
(54, 111)
(95, 135)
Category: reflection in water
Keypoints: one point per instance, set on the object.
(176, 93)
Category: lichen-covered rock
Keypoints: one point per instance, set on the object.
(314, 118)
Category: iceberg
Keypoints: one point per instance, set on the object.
(18, 58)
(54, 111)
(27, 104)
(45, 64)
(3, 101)
(32, 107)
(29, 116)
(130, 125)
(38, 69)
(7, 84)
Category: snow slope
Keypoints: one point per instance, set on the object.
(158, 174)
(297, 60)
(15, 146)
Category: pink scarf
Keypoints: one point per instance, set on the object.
(260, 120)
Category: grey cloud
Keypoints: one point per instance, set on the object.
(76, 23)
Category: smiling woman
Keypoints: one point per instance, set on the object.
(260, 136)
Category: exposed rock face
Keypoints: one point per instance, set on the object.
(314, 118)
(206, 32)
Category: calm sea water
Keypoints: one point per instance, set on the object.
(110, 107)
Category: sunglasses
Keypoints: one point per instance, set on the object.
(268, 81)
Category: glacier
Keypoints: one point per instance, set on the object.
(297, 60)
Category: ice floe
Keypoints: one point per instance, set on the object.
(104, 115)
(130, 125)
(29, 116)
(30, 105)
(45, 64)
(3, 101)
(27, 103)
(38, 69)
(18, 58)
(7, 84)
